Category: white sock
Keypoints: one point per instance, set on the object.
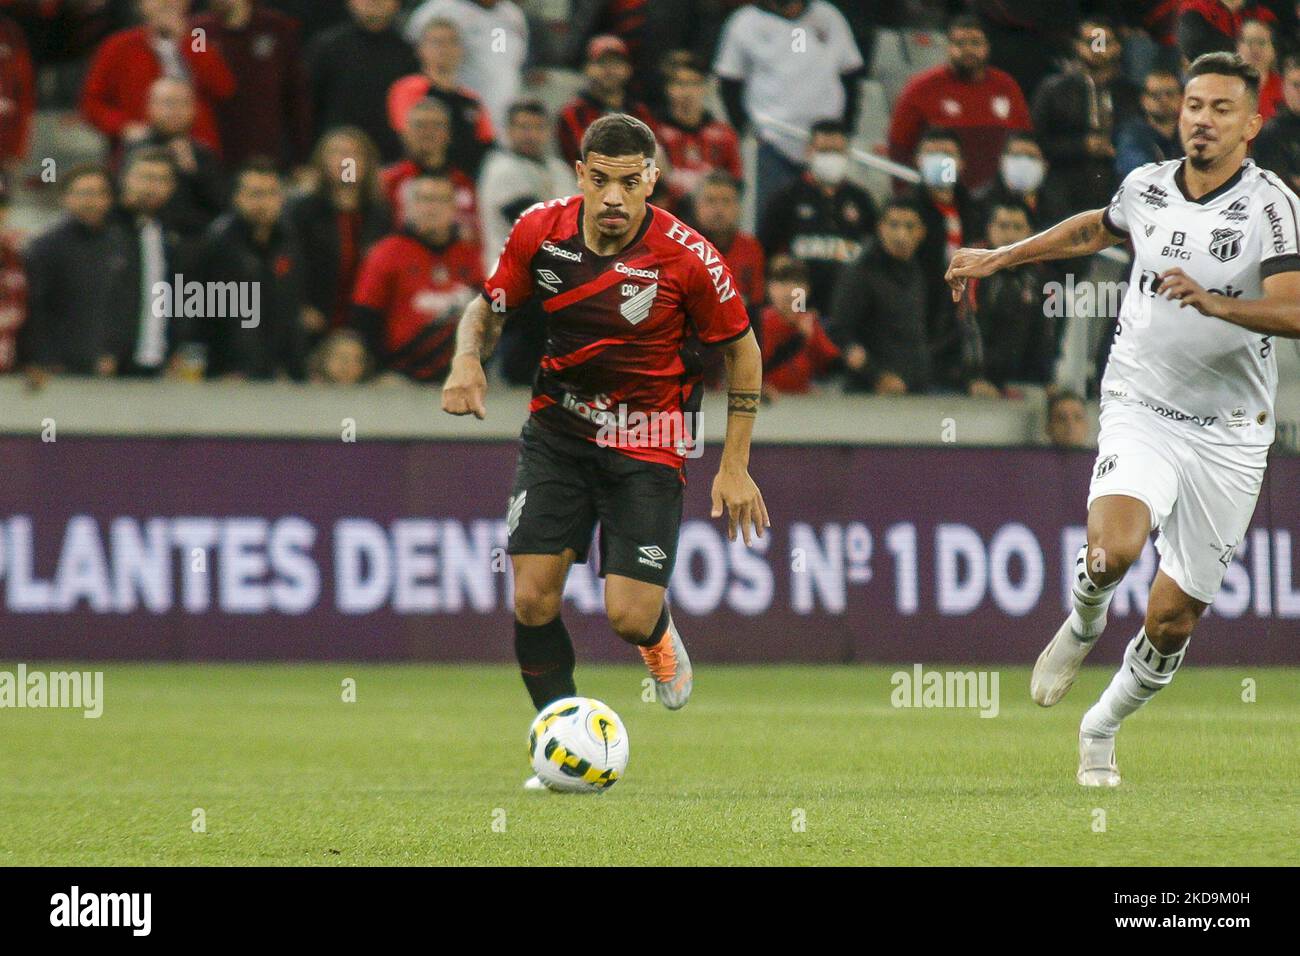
(1091, 601)
(1144, 671)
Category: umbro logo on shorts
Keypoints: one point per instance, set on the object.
(1105, 466)
(652, 555)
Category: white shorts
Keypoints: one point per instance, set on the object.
(1201, 495)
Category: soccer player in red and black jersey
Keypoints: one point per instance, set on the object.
(622, 284)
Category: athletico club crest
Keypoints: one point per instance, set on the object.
(1225, 244)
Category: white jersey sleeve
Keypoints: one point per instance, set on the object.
(1116, 216)
(1281, 251)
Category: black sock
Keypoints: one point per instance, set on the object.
(658, 632)
(545, 656)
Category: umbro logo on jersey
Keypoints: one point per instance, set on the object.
(1237, 211)
(638, 307)
(1225, 244)
(549, 280)
(1155, 197)
(555, 250)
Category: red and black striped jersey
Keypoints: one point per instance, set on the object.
(616, 325)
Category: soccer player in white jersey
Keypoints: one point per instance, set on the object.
(1187, 398)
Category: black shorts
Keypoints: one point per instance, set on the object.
(564, 485)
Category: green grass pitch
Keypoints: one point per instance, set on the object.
(425, 768)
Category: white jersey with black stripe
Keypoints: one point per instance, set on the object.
(1216, 379)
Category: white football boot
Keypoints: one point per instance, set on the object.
(1058, 666)
(534, 783)
(670, 667)
(1097, 767)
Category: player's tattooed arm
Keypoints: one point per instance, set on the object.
(733, 489)
(465, 390)
(1080, 235)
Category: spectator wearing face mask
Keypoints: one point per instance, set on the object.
(1021, 171)
(979, 103)
(1153, 136)
(820, 218)
(1076, 113)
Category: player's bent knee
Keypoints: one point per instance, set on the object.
(535, 604)
(632, 621)
(1169, 628)
(1110, 555)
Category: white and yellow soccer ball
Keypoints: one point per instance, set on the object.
(578, 745)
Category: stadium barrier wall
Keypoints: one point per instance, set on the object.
(207, 548)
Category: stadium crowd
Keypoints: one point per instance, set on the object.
(360, 162)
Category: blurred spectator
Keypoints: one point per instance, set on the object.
(1076, 112)
(648, 27)
(952, 219)
(76, 274)
(200, 184)
(13, 286)
(783, 86)
(351, 67)
(314, 15)
(1021, 171)
(796, 349)
(1205, 26)
(123, 70)
(17, 93)
(495, 37)
(440, 54)
(820, 218)
(340, 359)
(1026, 37)
(151, 333)
(1153, 136)
(979, 103)
(253, 246)
(1067, 421)
(268, 113)
(1278, 145)
(695, 141)
(1255, 43)
(716, 213)
(1018, 342)
(336, 222)
(415, 284)
(517, 175)
(608, 71)
(878, 312)
(427, 141)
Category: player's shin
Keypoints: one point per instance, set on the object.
(545, 655)
(1089, 600)
(1144, 672)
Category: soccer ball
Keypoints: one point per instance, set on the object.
(578, 745)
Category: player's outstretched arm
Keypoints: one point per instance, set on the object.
(465, 390)
(1080, 235)
(733, 489)
(1276, 313)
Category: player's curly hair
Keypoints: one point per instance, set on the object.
(618, 135)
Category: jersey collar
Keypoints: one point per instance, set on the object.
(640, 233)
(1180, 180)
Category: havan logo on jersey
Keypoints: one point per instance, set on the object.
(712, 261)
